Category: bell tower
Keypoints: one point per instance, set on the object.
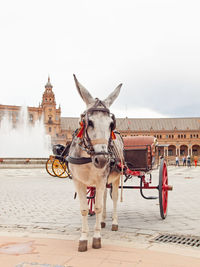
(48, 97)
(51, 114)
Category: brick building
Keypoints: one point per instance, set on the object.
(177, 136)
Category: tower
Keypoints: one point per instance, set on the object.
(51, 114)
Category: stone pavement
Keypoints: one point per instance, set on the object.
(34, 204)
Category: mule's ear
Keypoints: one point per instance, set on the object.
(111, 98)
(83, 92)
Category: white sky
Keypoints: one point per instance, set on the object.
(152, 47)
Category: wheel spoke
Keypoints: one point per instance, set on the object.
(49, 166)
(59, 169)
(91, 191)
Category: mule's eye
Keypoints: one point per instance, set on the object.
(90, 123)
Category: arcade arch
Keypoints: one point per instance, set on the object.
(183, 150)
(196, 150)
(171, 150)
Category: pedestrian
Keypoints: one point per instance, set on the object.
(188, 161)
(195, 161)
(184, 160)
(177, 161)
(160, 159)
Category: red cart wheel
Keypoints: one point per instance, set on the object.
(91, 192)
(163, 189)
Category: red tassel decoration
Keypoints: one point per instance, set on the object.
(80, 133)
(113, 136)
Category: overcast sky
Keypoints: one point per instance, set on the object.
(152, 47)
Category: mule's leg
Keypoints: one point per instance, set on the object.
(82, 191)
(98, 211)
(115, 187)
(103, 221)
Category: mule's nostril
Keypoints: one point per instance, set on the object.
(100, 161)
(96, 160)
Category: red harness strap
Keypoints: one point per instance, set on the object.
(81, 131)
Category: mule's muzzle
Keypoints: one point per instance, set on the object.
(100, 160)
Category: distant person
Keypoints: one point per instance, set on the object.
(188, 161)
(161, 157)
(195, 161)
(184, 160)
(177, 161)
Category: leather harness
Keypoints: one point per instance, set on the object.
(86, 143)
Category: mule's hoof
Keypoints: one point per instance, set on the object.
(103, 224)
(114, 227)
(82, 245)
(96, 242)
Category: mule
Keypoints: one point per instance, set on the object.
(90, 159)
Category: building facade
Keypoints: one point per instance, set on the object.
(47, 109)
(176, 136)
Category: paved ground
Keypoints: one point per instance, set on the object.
(34, 204)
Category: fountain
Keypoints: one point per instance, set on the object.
(26, 140)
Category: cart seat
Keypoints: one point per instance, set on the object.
(139, 152)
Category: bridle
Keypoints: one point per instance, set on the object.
(86, 144)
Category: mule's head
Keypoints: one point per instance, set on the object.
(97, 124)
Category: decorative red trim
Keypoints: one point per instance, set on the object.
(113, 136)
(80, 133)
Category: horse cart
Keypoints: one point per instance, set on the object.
(141, 158)
(104, 157)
